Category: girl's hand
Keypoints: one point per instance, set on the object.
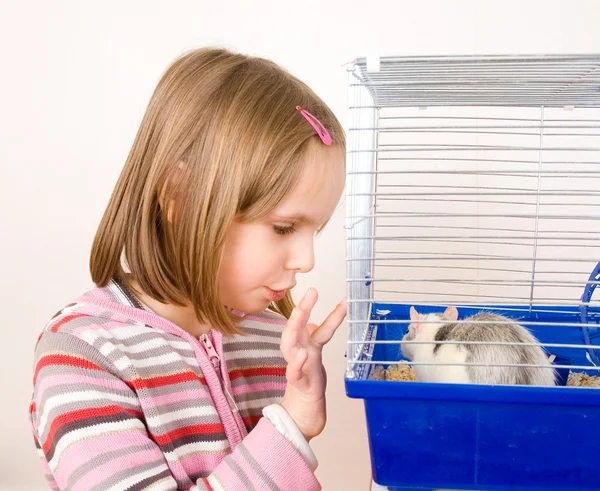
(302, 345)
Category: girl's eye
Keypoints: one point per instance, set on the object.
(283, 230)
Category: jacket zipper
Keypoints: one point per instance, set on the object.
(215, 359)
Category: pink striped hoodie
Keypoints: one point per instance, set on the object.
(124, 399)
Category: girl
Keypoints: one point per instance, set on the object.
(159, 377)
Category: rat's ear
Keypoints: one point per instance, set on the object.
(451, 313)
(415, 317)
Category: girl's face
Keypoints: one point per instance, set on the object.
(261, 258)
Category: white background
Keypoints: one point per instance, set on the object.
(75, 79)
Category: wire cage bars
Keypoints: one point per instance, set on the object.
(473, 182)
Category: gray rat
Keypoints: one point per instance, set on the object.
(496, 329)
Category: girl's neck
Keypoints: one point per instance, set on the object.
(182, 316)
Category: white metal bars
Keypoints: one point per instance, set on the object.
(470, 196)
(550, 81)
(360, 231)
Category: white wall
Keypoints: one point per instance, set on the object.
(75, 80)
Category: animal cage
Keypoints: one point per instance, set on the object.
(473, 182)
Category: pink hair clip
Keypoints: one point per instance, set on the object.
(317, 125)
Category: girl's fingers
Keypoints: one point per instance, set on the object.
(289, 343)
(292, 335)
(293, 372)
(307, 303)
(325, 332)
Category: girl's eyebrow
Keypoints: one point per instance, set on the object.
(296, 218)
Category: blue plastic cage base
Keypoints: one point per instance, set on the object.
(479, 437)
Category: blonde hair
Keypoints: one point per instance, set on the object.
(221, 139)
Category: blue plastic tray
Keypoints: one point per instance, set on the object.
(485, 438)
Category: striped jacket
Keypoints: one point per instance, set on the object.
(124, 399)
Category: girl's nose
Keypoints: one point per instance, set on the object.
(302, 256)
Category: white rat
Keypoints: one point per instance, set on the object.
(436, 327)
